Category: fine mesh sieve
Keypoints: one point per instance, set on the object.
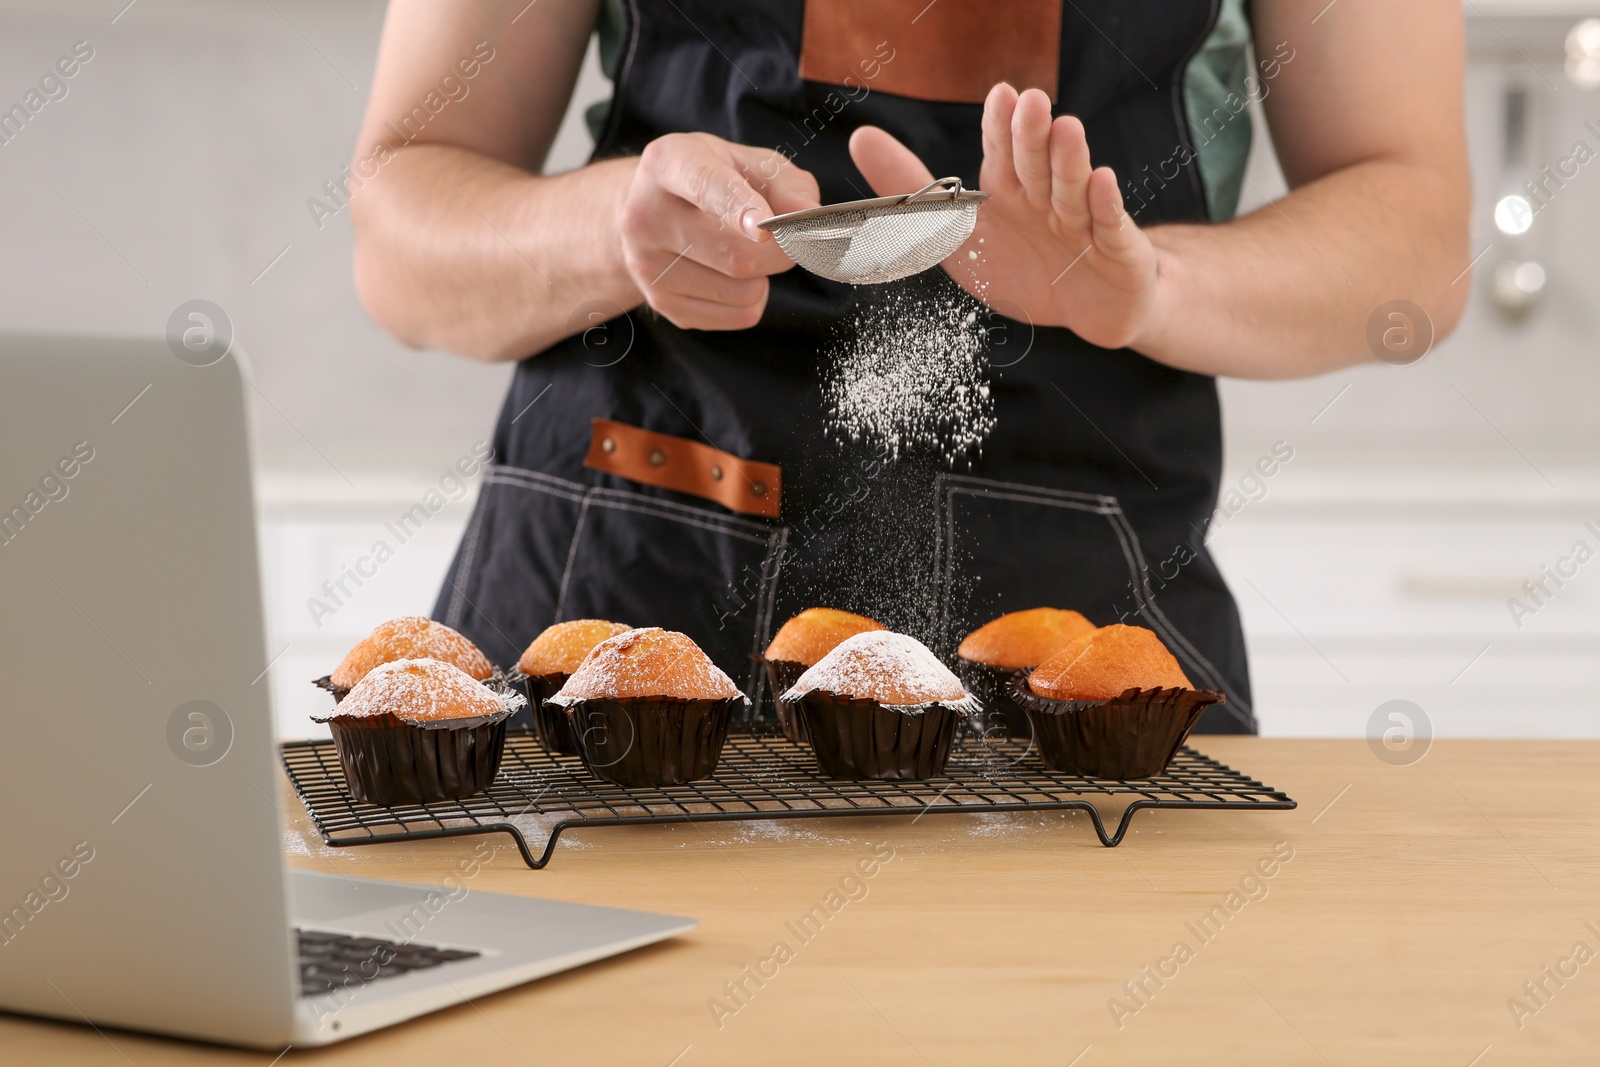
(864, 242)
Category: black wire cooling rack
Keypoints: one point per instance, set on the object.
(760, 776)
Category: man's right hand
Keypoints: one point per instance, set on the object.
(689, 234)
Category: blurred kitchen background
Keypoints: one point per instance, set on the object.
(1376, 565)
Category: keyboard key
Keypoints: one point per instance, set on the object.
(330, 961)
(315, 937)
(416, 963)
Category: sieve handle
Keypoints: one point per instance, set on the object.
(952, 185)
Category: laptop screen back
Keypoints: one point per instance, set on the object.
(140, 879)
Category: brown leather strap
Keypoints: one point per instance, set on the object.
(677, 463)
(953, 52)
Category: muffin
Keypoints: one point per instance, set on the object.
(544, 668)
(882, 706)
(414, 731)
(1112, 704)
(989, 655)
(408, 637)
(648, 708)
(799, 644)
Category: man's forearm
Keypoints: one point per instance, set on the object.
(461, 252)
(1288, 290)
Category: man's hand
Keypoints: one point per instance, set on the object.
(689, 234)
(1364, 102)
(1053, 237)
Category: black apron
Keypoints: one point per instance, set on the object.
(1093, 491)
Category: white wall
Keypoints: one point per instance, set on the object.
(179, 166)
(1377, 566)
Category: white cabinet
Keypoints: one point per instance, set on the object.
(1348, 604)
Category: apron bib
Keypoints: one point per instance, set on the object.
(1093, 490)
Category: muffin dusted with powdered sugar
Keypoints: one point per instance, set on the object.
(649, 708)
(881, 705)
(414, 731)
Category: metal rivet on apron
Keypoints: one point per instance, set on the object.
(657, 457)
(758, 488)
(716, 474)
(607, 445)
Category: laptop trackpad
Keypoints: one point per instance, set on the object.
(326, 898)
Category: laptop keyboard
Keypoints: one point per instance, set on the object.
(331, 961)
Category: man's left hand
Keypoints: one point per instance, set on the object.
(1053, 238)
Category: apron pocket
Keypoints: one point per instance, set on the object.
(1006, 547)
(653, 562)
(503, 586)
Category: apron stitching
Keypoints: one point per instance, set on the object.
(572, 554)
(1133, 552)
(469, 552)
(1133, 555)
(774, 540)
(1070, 505)
(781, 549)
(643, 510)
(1147, 598)
(1082, 503)
(1035, 490)
(764, 609)
(941, 562)
(1101, 505)
(667, 509)
(512, 483)
(761, 530)
(529, 472)
(509, 476)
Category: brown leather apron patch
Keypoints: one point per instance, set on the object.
(951, 51)
(686, 466)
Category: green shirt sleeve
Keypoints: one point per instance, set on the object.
(1216, 96)
(609, 26)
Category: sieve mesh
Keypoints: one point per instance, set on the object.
(865, 242)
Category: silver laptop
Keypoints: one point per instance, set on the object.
(142, 881)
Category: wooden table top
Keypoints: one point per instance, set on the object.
(1394, 918)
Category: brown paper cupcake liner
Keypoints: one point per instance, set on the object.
(861, 739)
(1134, 735)
(651, 742)
(1001, 717)
(781, 675)
(547, 721)
(390, 762)
(326, 682)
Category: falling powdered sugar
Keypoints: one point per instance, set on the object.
(911, 371)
